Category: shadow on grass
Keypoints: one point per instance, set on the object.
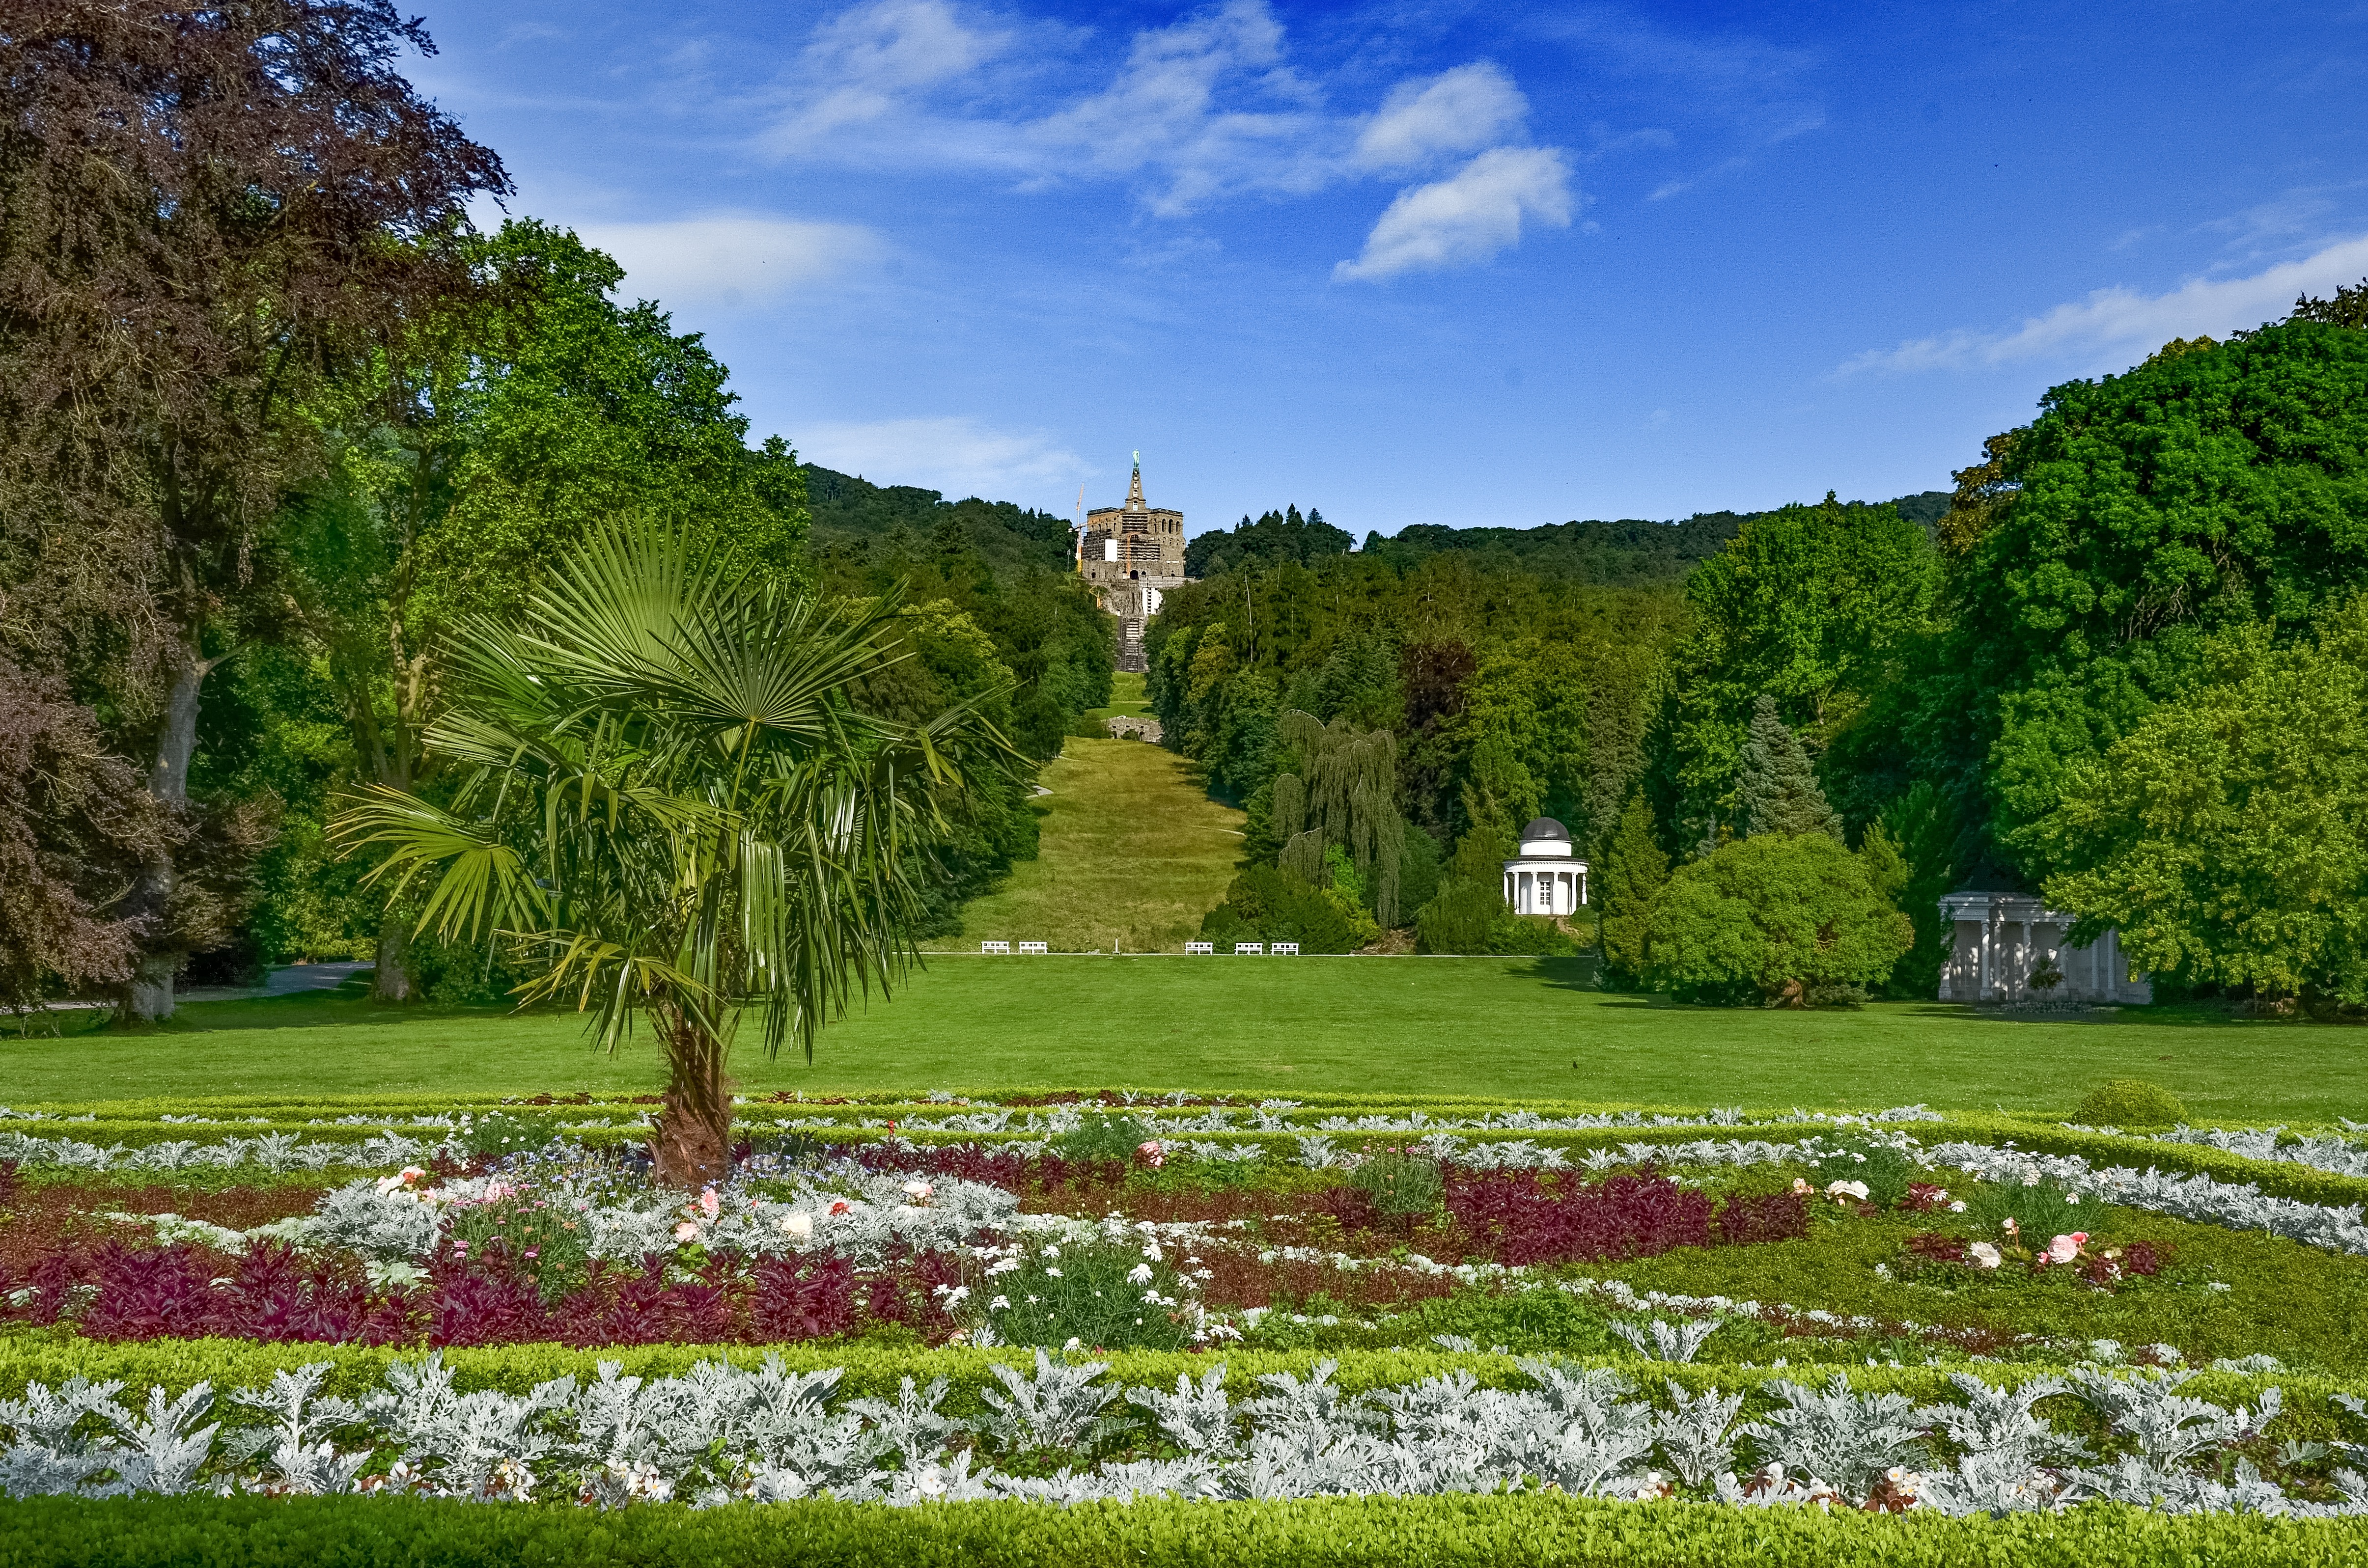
(312, 1011)
(1583, 973)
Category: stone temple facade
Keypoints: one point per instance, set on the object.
(2002, 940)
(1133, 554)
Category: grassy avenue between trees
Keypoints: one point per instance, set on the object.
(1267, 1027)
(1132, 851)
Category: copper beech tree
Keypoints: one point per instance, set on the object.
(206, 213)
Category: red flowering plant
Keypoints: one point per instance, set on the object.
(2034, 1228)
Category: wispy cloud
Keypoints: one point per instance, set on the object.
(867, 63)
(1468, 217)
(1461, 110)
(730, 258)
(1204, 109)
(957, 455)
(1762, 94)
(2119, 318)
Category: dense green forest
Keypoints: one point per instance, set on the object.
(858, 525)
(2119, 665)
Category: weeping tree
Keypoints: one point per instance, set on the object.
(668, 806)
(1345, 794)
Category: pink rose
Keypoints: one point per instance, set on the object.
(2064, 1249)
(709, 1204)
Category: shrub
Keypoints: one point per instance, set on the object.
(1268, 903)
(1399, 1183)
(2130, 1102)
(1778, 917)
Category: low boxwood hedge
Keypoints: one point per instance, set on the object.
(1344, 1532)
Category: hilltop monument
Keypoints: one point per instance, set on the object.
(1132, 553)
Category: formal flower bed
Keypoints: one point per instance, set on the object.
(1063, 1233)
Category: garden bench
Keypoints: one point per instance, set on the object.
(1034, 947)
(994, 947)
(1242, 948)
(1200, 947)
(1284, 950)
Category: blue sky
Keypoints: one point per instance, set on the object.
(1468, 264)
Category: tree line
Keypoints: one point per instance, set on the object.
(2119, 669)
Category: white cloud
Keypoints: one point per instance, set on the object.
(730, 258)
(1205, 109)
(866, 60)
(1458, 111)
(1467, 217)
(957, 455)
(2120, 318)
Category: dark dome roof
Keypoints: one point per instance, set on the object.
(1544, 827)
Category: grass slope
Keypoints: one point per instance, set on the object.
(1127, 697)
(1132, 853)
(1500, 1027)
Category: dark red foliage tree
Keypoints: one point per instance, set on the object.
(204, 212)
(75, 828)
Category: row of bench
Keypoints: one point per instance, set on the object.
(1241, 949)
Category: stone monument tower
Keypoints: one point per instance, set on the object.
(1132, 553)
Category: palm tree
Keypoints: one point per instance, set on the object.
(668, 803)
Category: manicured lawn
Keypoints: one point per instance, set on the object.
(1132, 853)
(1267, 1027)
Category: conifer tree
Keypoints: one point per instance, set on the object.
(1634, 871)
(1777, 792)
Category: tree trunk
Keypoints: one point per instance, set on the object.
(394, 981)
(148, 996)
(692, 1138)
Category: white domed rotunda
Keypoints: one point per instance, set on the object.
(1545, 878)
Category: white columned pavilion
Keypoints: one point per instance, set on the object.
(1999, 939)
(1544, 878)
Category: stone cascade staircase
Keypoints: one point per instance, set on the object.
(1129, 645)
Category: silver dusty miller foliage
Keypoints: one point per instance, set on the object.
(719, 1434)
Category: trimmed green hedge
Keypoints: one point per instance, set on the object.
(1359, 1532)
(175, 1364)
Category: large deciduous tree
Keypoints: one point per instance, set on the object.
(670, 804)
(2213, 488)
(204, 213)
(75, 827)
(1820, 608)
(2226, 834)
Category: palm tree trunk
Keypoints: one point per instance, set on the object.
(394, 981)
(692, 1138)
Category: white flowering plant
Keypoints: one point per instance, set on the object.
(1122, 1289)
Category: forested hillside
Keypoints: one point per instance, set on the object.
(861, 524)
(2123, 665)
